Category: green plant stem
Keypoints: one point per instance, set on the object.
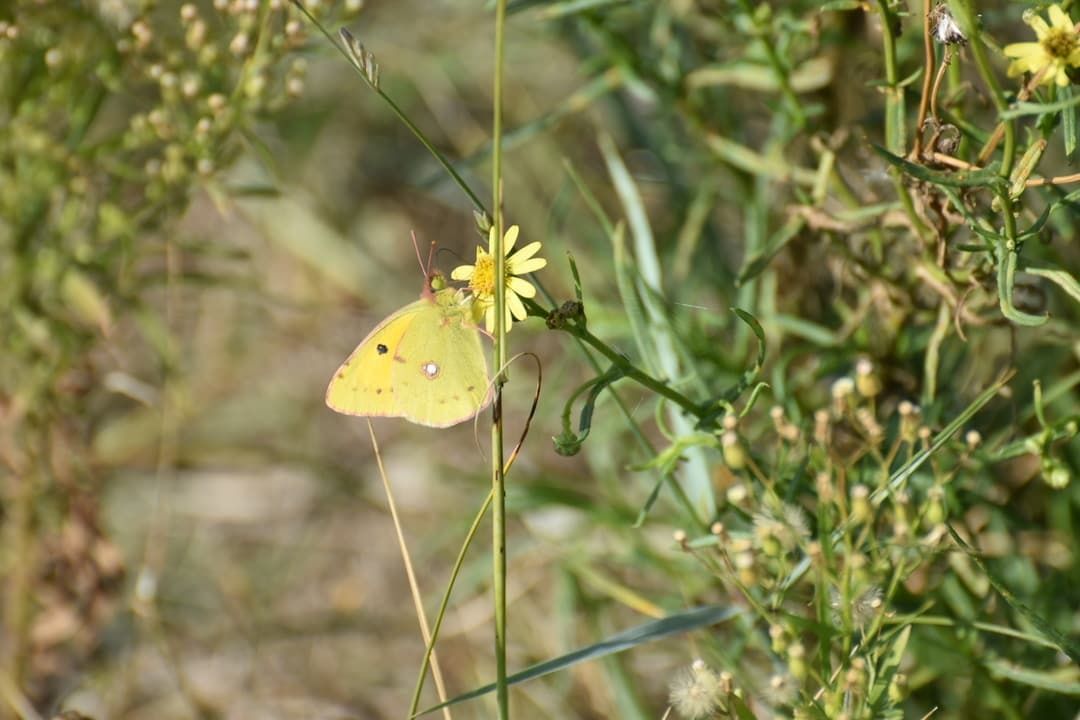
(498, 478)
(931, 362)
(441, 614)
(1008, 247)
(1008, 153)
(417, 132)
(460, 181)
(894, 95)
(534, 309)
(894, 115)
(1007, 251)
(621, 361)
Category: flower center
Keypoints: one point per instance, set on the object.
(483, 278)
(1060, 43)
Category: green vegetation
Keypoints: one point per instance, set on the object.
(809, 334)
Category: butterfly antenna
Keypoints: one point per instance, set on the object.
(425, 268)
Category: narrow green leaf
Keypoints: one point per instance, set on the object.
(985, 177)
(1048, 631)
(668, 459)
(1069, 126)
(751, 372)
(672, 625)
(908, 469)
(915, 75)
(742, 710)
(1028, 108)
(1036, 226)
(754, 163)
(1061, 680)
(554, 9)
(1006, 281)
(807, 330)
(1061, 278)
(810, 75)
(625, 277)
(979, 225)
(1030, 443)
(878, 695)
(755, 265)
(568, 443)
(724, 399)
(574, 7)
(839, 5)
(866, 213)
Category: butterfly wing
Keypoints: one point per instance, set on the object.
(363, 385)
(444, 379)
(424, 363)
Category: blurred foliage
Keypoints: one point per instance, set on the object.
(875, 457)
(113, 113)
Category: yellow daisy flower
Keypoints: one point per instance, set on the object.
(481, 278)
(1057, 49)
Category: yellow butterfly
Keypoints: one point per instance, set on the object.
(424, 363)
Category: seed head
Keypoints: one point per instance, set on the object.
(697, 692)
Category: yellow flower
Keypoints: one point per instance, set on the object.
(1057, 49)
(481, 278)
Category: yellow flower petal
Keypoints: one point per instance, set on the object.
(528, 251)
(509, 238)
(1021, 49)
(514, 306)
(1038, 25)
(524, 288)
(1059, 19)
(1049, 59)
(522, 268)
(482, 281)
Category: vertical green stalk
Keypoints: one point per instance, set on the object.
(1007, 251)
(895, 133)
(1008, 247)
(932, 361)
(894, 94)
(969, 24)
(498, 480)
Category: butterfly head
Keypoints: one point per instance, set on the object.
(435, 282)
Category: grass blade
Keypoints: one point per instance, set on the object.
(672, 625)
